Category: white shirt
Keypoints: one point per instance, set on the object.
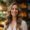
(10, 26)
(23, 26)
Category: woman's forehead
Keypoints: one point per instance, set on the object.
(14, 6)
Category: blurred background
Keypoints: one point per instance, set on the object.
(25, 11)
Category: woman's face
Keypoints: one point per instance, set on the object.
(14, 10)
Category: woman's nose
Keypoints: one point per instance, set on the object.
(14, 10)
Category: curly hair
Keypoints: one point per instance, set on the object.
(10, 16)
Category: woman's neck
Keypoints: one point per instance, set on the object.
(13, 18)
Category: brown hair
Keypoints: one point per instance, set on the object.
(18, 19)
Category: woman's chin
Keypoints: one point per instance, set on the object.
(13, 14)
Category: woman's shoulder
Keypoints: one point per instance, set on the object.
(24, 25)
(23, 22)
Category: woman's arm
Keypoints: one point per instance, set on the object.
(24, 25)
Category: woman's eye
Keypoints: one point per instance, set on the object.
(16, 8)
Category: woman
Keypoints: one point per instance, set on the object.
(15, 23)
